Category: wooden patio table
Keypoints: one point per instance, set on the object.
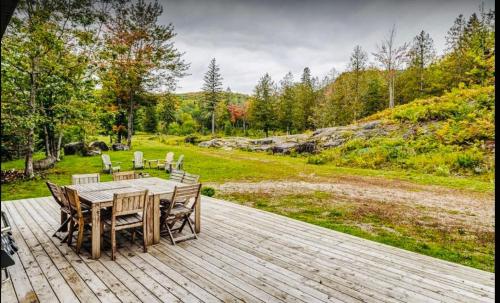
(100, 195)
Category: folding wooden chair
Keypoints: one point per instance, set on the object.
(190, 178)
(125, 175)
(60, 198)
(79, 217)
(182, 205)
(177, 175)
(129, 211)
(85, 179)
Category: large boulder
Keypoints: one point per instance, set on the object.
(44, 163)
(119, 146)
(306, 147)
(284, 148)
(74, 148)
(99, 145)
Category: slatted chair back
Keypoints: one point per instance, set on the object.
(138, 159)
(187, 195)
(180, 163)
(129, 203)
(85, 179)
(190, 178)
(106, 161)
(169, 158)
(177, 175)
(125, 175)
(74, 202)
(56, 192)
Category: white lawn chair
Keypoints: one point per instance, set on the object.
(180, 163)
(138, 161)
(107, 164)
(167, 163)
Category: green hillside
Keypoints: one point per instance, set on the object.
(449, 135)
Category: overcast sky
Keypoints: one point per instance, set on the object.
(251, 37)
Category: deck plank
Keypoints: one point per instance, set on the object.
(242, 255)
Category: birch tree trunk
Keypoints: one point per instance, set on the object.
(130, 122)
(28, 162)
(213, 123)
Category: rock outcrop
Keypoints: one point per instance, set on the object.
(322, 138)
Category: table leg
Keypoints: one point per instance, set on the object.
(96, 231)
(197, 215)
(153, 220)
(156, 219)
(64, 216)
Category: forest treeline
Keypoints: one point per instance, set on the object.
(75, 69)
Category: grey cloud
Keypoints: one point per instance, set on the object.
(252, 37)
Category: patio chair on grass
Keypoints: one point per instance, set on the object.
(125, 175)
(190, 178)
(184, 200)
(80, 216)
(167, 163)
(138, 162)
(85, 179)
(60, 198)
(129, 211)
(107, 164)
(179, 164)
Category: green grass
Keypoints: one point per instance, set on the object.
(215, 165)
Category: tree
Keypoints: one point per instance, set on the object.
(264, 103)
(391, 58)
(421, 55)
(286, 102)
(357, 65)
(373, 97)
(150, 123)
(305, 97)
(44, 61)
(166, 109)
(212, 89)
(139, 55)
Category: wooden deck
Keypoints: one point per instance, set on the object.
(242, 254)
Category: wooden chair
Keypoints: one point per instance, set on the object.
(85, 178)
(129, 211)
(126, 175)
(190, 178)
(79, 217)
(179, 164)
(60, 198)
(138, 162)
(183, 203)
(107, 164)
(167, 163)
(177, 175)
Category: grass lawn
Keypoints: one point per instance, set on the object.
(218, 166)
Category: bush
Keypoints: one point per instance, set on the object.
(208, 191)
(192, 139)
(317, 160)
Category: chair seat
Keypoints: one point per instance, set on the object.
(125, 220)
(179, 210)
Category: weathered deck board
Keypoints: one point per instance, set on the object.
(242, 255)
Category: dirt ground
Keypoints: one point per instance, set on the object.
(448, 206)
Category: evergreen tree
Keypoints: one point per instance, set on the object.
(286, 103)
(305, 97)
(421, 55)
(373, 97)
(263, 111)
(150, 119)
(357, 65)
(212, 89)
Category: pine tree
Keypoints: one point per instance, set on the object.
(263, 108)
(212, 89)
(421, 55)
(357, 65)
(286, 102)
